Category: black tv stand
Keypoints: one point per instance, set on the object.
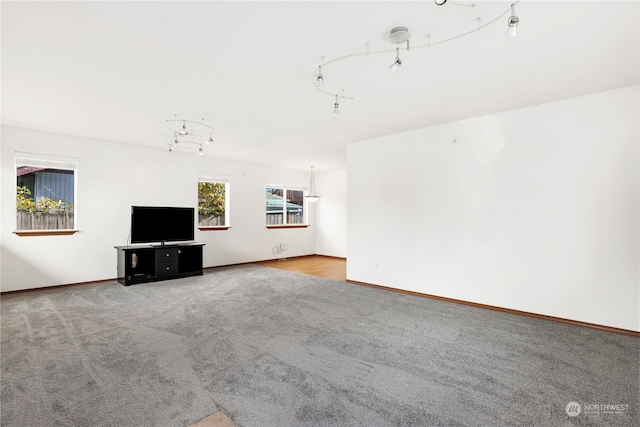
(151, 263)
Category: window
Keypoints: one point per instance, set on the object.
(45, 195)
(213, 202)
(285, 206)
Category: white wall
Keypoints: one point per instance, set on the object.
(331, 214)
(110, 178)
(535, 209)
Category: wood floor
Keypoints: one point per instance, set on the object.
(314, 265)
(216, 420)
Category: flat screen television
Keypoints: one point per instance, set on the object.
(162, 224)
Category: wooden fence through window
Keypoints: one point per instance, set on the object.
(210, 220)
(44, 220)
(277, 218)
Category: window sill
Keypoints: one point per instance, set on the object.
(288, 226)
(213, 228)
(23, 233)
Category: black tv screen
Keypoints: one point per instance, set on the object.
(161, 224)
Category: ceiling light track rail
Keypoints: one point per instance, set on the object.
(401, 35)
(191, 121)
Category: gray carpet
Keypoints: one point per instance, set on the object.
(275, 348)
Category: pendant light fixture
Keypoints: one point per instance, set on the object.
(336, 111)
(312, 196)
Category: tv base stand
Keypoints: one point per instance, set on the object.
(152, 263)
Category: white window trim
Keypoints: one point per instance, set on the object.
(305, 206)
(218, 179)
(47, 161)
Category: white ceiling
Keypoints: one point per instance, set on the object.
(118, 70)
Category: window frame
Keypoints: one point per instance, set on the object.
(305, 207)
(215, 179)
(48, 162)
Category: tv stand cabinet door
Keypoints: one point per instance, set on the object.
(190, 260)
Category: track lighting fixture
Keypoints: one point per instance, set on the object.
(513, 22)
(397, 63)
(197, 131)
(401, 34)
(398, 35)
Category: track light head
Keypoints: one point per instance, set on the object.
(319, 78)
(183, 131)
(513, 22)
(397, 62)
